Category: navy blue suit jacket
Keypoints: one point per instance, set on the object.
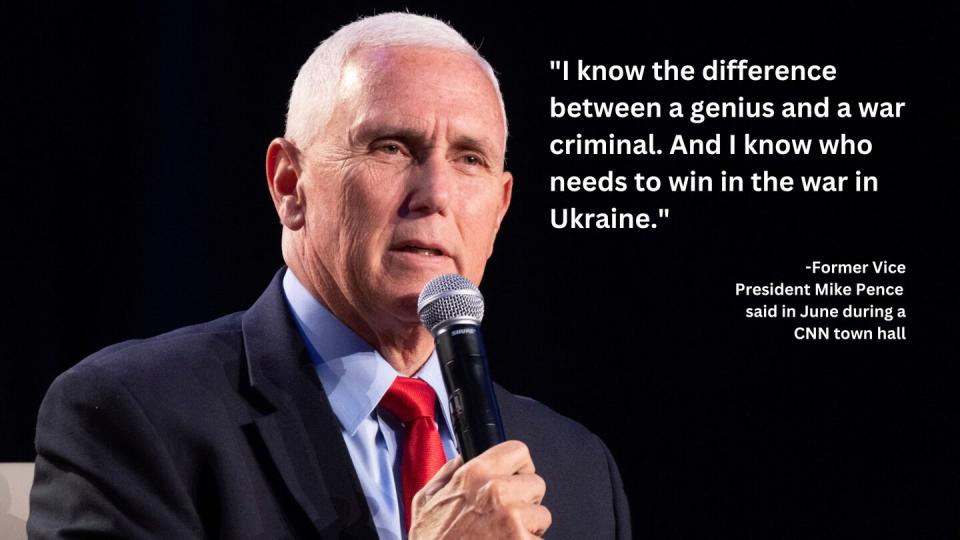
(222, 430)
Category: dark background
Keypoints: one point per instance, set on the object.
(134, 139)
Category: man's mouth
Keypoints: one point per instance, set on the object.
(422, 250)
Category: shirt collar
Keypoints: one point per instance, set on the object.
(354, 375)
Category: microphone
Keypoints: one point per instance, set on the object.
(451, 308)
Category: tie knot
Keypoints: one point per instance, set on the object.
(409, 399)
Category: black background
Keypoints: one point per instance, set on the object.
(134, 138)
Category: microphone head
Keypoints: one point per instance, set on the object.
(449, 299)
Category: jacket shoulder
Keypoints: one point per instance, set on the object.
(119, 437)
(168, 377)
(169, 353)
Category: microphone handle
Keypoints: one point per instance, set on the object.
(473, 404)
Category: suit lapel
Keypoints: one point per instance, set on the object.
(298, 428)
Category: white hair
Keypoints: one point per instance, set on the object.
(313, 95)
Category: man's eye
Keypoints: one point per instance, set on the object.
(472, 159)
(389, 148)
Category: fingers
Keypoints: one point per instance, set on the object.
(512, 507)
(506, 458)
(442, 476)
(519, 488)
(517, 499)
(495, 495)
(536, 519)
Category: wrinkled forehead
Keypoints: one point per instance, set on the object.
(407, 81)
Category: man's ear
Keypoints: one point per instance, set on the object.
(283, 180)
(507, 193)
(507, 179)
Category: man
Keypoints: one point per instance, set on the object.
(289, 419)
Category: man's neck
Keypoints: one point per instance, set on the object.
(408, 356)
(405, 346)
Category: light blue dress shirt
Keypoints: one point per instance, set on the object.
(355, 377)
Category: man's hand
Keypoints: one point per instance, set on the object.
(495, 495)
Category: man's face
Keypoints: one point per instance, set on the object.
(406, 181)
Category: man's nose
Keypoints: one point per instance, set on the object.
(430, 187)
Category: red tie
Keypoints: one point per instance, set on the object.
(412, 401)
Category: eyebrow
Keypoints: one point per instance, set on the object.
(483, 145)
(367, 133)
